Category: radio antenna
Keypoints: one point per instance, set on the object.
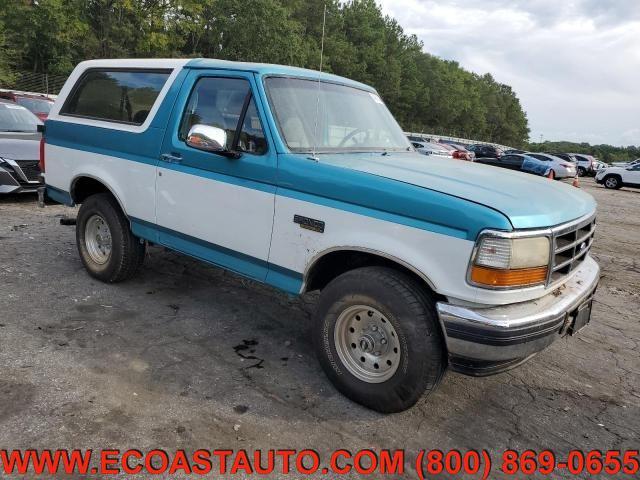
(315, 129)
(324, 23)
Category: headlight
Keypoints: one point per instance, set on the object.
(503, 262)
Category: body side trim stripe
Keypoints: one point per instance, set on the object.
(370, 212)
(286, 192)
(60, 196)
(243, 264)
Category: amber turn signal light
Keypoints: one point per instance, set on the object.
(521, 277)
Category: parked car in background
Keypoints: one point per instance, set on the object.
(598, 165)
(19, 149)
(513, 151)
(618, 177)
(520, 162)
(39, 105)
(569, 157)
(585, 164)
(626, 164)
(458, 152)
(414, 138)
(485, 151)
(430, 148)
(558, 168)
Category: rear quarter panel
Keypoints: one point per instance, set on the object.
(121, 156)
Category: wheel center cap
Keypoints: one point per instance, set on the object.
(367, 343)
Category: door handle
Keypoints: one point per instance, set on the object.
(171, 157)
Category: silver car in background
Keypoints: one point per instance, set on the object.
(559, 168)
(19, 149)
(430, 148)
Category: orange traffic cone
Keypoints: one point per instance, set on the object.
(550, 175)
(576, 182)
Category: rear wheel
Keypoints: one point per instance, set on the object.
(582, 171)
(108, 249)
(613, 182)
(378, 339)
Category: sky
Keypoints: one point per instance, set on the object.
(574, 64)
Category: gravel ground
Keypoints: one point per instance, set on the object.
(186, 356)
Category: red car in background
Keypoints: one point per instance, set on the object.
(40, 105)
(458, 152)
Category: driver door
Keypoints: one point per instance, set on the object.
(208, 205)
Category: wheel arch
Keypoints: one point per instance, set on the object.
(85, 185)
(613, 174)
(332, 262)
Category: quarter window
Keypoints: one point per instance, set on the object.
(122, 96)
(226, 103)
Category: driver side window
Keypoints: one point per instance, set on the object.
(226, 103)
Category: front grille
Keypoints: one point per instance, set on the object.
(571, 243)
(30, 168)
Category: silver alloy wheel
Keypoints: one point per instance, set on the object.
(97, 239)
(367, 344)
(611, 182)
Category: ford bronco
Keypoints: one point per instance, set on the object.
(304, 181)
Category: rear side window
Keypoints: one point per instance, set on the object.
(122, 96)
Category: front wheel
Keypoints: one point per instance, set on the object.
(612, 182)
(108, 249)
(378, 339)
(582, 171)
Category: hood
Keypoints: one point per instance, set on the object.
(14, 149)
(527, 200)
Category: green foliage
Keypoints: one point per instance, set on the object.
(424, 92)
(6, 74)
(605, 153)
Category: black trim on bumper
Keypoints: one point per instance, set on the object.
(503, 338)
(484, 368)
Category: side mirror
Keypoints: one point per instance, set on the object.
(210, 139)
(207, 138)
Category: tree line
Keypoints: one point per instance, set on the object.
(424, 92)
(606, 153)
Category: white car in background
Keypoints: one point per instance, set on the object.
(626, 164)
(558, 168)
(618, 177)
(430, 148)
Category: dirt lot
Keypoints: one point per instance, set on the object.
(160, 361)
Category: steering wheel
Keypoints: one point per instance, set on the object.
(351, 135)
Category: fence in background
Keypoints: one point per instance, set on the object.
(462, 141)
(36, 83)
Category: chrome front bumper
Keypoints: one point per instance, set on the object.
(485, 340)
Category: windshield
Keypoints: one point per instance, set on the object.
(325, 117)
(14, 118)
(35, 104)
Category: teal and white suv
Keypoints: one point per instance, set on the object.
(304, 181)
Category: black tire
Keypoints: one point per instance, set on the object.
(552, 174)
(612, 182)
(410, 309)
(127, 251)
(582, 171)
